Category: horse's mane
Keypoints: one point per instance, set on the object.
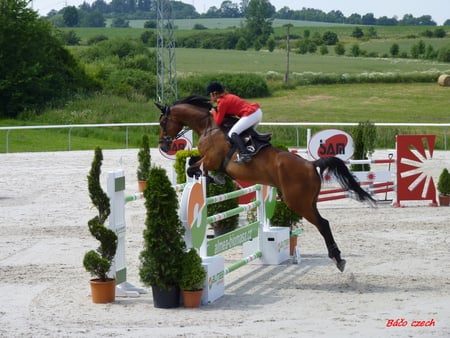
(196, 100)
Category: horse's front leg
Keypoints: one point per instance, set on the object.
(194, 167)
(195, 164)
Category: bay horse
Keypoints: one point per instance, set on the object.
(296, 178)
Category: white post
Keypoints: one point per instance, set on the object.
(116, 194)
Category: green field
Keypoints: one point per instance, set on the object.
(377, 102)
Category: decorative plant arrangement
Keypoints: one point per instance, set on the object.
(98, 262)
(443, 187)
(144, 160)
(364, 136)
(192, 278)
(164, 246)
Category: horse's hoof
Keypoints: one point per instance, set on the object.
(341, 265)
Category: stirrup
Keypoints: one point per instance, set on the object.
(243, 158)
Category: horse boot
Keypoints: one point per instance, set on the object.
(243, 156)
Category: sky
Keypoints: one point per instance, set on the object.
(438, 9)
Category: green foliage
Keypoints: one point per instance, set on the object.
(241, 44)
(180, 163)
(394, 50)
(229, 223)
(120, 23)
(259, 18)
(70, 38)
(70, 16)
(271, 44)
(364, 137)
(192, 273)
(124, 67)
(330, 38)
(161, 257)
(150, 24)
(443, 185)
(98, 262)
(144, 159)
(36, 70)
(243, 84)
(199, 26)
(444, 54)
(357, 33)
(96, 39)
(339, 49)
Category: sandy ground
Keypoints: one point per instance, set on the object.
(398, 266)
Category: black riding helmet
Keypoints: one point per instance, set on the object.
(214, 87)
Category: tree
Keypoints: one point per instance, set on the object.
(394, 50)
(339, 49)
(355, 50)
(92, 19)
(259, 18)
(35, 68)
(330, 38)
(70, 16)
(357, 33)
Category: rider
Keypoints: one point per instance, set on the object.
(250, 115)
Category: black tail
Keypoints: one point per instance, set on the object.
(337, 167)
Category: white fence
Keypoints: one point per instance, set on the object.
(281, 124)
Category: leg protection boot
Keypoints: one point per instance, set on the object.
(243, 156)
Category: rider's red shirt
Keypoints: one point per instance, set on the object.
(233, 105)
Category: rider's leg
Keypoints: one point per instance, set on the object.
(244, 123)
(244, 155)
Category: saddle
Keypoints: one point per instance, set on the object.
(253, 140)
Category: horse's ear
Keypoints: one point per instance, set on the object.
(160, 107)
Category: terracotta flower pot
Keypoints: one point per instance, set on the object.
(292, 245)
(142, 185)
(444, 200)
(103, 292)
(192, 299)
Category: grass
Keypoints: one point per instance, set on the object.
(200, 61)
(386, 103)
(380, 102)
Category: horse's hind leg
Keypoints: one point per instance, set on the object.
(333, 250)
(311, 214)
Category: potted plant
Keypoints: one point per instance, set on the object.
(164, 246)
(285, 217)
(98, 262)
(364, 137)
(193, 275)
(144, 159)
(443, 187)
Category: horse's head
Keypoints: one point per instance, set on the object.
(169, 128)
(192, 111)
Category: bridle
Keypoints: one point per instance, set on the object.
(166, 138)
(165, 113)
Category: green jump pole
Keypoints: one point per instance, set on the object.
(242, 262)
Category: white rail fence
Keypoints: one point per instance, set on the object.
(297, 125)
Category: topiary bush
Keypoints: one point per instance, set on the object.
(98, 262)
(164, 246)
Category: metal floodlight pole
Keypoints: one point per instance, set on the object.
(166, 86)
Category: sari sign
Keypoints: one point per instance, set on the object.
(182, 143)
(331, 142)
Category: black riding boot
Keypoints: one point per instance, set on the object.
(243, 156)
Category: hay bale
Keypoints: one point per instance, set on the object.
(444, 80)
